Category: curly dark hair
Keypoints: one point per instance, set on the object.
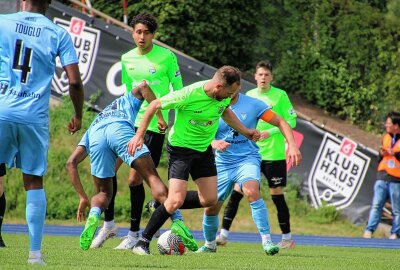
(146, 19)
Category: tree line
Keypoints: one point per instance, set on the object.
(342, 55)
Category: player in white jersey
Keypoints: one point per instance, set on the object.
(238, 162)
(29, 45)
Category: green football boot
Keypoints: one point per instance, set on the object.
(179, 228)
(270, 248)
(88, 233)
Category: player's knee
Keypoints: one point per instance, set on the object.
(174, 204)
(160, 194)
(208, 202)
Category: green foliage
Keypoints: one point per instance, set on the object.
(340, 55)
(323, 215)
(218, 32)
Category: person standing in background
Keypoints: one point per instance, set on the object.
(388, 178)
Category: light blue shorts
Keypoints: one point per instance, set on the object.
(24, 146)
(108, 143)
(238, 173)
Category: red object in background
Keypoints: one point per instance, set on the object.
(76, 26)
(298, 138)
(348, 147)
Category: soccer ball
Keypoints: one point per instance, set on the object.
(170, 244)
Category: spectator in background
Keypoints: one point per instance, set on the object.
(29, 44)
(388, 178)
(272, 150)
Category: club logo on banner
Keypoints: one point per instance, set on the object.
(86, 43)
(337, 173)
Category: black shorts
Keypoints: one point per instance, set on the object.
(275, 172)
(2, 169)
(183, 161)
(154, 141)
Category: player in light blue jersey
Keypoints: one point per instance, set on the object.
(29, 45)
(105, 141)
(238, 161)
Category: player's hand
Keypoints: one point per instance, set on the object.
(74, 124)
(136, 143)
(220, 145)
(81, 213)
(253, 134)
(162, 125)
(294, 156)
(264, 135)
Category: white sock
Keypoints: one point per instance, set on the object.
(35, 254)
(286, 236)
(212, 244)
(109, 224)
(133, 234)
(265, 238)
(224, 233)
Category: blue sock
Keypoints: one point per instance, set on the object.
(176, 215)
(95, 211)
(35, 216)
(260, 216)
(210, 227)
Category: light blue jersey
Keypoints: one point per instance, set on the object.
(29, 45)
(249, 110)
(109, 134)
(123, 109)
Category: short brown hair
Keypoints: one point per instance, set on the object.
(264, 64)
(229, 75)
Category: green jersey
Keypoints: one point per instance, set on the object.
(273, 148)
(159, 68)
(196, 116)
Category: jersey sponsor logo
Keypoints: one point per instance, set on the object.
(243, 116)
(177, 73)
(201, 123)
(197, 111)
(3, 87)
(86, 42)
(152, 70)
(337, 173)
(292, 111)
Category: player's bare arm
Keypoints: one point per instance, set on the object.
(143, 91)
(294, 155)
(72, 168)
(76, 94)
(230, 118)
(137, 141)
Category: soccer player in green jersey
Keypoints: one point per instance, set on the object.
(157, 66)
(272, 152)
(198, 108)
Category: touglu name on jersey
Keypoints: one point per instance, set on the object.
(28, 30)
